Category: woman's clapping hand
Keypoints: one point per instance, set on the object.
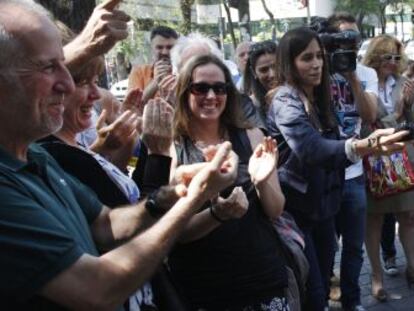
(263, 161)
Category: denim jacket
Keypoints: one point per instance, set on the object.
(312, 173)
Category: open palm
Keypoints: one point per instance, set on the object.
(263, 160)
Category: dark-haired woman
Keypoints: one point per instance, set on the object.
(259, 76)
(313, 171)
(227, 261)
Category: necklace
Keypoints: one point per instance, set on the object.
(202, 144)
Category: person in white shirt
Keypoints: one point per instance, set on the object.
(354, 95)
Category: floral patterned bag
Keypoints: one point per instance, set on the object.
(387, 175)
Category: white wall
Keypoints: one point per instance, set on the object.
(281, 9)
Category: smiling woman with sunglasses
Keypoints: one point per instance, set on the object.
(229, 257)
(395, 104)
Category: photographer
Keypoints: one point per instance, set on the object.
(354, 90)
(148, 77)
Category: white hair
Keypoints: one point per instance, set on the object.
(10, 47)
(192, 40)
(28, 5)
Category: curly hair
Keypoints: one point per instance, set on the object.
(380, 45)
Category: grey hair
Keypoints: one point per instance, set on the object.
(10, 48)
(193, 39)
(28, 5)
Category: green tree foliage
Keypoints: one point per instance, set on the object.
(358, 8)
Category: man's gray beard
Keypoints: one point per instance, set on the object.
(46, 124)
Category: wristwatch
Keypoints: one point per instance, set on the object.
(151, 205)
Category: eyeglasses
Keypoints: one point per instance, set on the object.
(202, 88)
(392, 57)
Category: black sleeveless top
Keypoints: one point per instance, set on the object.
(239, 262)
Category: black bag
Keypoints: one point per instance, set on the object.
(292, 248)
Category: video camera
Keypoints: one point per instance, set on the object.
(340, 59)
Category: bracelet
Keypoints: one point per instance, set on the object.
(373, 142)
(214, 215)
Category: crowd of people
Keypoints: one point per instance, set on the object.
(243, 183)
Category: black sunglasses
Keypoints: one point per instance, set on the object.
(394, 57)
(202, 88)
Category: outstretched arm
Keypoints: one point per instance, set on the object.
(111, 278)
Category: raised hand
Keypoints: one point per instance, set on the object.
(212, 177)
(203, 181)
(235, 206)
(123, 131)
(157, 126)
(105, 27)
(133, 102)
(162, 68)
(263, 161)
(167, 88)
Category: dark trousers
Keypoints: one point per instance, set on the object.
(388, 237)
(320, 251)
(350, 223)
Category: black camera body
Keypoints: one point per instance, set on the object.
(341, 60)
(406, 126)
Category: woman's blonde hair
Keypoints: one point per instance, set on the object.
(381, 45)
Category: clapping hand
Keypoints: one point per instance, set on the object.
(157, 126)
(167, 88)
(162, 68)
(123, 131)
(235, 206)
(263, 161)
(133, 102)
(205, 180)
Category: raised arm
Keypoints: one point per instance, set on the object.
(263, 173)
(366, 102)
(105, 27)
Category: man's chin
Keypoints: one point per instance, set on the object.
(51, 127)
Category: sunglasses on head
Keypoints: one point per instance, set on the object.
(394, 57)
(202, 88)
(264, 47)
